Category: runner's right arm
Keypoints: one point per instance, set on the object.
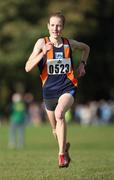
(35, 56)
(40, 49)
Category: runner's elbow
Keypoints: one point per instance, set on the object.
(88, 48)
(27, 68)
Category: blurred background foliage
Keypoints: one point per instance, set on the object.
(23, 22)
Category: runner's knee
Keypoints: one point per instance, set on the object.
(59, 115)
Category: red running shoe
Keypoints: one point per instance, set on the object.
(64, 159)
(63, 162)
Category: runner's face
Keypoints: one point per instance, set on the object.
(55, 27)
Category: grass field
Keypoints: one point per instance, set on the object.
(92, 153)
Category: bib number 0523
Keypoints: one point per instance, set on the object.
(58, 67)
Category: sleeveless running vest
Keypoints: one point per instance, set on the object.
(56, 71)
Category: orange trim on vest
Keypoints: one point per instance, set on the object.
(49, 55)
(66, 49)
(44, 74)
(50, 52)
(70, 75)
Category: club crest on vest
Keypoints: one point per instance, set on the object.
(59, 61)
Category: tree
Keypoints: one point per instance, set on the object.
(23, 22)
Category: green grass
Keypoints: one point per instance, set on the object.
(92, 152)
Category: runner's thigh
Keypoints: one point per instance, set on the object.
(65, 102)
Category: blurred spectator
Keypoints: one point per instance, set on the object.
(43, 112)
(34, 114)
(105, 111)
(28, 99)
(112, 116)
(93, 105)
(83, 114)
(17, 122)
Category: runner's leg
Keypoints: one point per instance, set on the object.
(51, 117)
(64, 103)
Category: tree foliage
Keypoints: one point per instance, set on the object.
(23, 22)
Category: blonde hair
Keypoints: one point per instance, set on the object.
(59, 15)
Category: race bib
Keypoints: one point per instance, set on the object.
(58, 66)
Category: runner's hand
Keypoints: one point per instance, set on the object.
(81, 70)
(47, 47)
